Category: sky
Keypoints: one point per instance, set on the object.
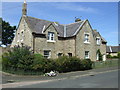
(103, 16)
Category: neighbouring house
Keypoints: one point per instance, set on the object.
(53, 40)
(112, 50)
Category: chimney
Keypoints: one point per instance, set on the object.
(24, 9)
(77, 19)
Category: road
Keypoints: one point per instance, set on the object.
(101, 80)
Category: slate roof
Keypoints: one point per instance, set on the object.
(112, 49)
(95, 34)
(37, 26)
(72, 28)
(68, 30)
(108, 49)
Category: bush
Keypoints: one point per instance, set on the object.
(86, 64)
(38, 63)
(114, 56)
(42, 64)
(118, 55)
(5, 61)
(67, 64)
(19, 58)
(109, 56)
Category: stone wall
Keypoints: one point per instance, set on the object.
(23, 35)
(81, 47)
(58, 46)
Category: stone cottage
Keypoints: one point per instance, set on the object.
(53, 40)
(112, 50)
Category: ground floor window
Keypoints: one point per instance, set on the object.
(70, 54)
(47, 54)
(86, 54)
(59, 54)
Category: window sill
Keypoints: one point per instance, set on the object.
(98, 44)
(87, 58)
(86, 42)
(51, 41)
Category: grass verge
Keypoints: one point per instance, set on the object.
(104, 64)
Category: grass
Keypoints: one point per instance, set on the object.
(21, 72)
(104, 64)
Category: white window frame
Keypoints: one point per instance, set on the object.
(49, 54)
(86, 38)
(88, 55)
(51, 37)
(98, 40)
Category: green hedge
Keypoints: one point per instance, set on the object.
(109, 56)
(22, 59)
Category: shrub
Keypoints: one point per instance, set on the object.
(5, 61)
(86, 64)
(118, 55)
(50, 65)
(109, 56)
(18, 58)
(114, 56)
(67, 64)
(42, 64)
(23, 60)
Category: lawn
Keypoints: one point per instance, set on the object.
(107, 63)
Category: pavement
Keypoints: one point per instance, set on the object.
(19, 80)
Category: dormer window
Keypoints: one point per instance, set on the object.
(50, 36)
(98, 41)
(86, 38)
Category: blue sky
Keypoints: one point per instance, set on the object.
(102, 16)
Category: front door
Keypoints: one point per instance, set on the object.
(104, 57)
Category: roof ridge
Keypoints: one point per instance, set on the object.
(39, 19)
(54, 21)
(74, 23)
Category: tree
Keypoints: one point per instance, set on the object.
(7, 32)
(18, 58)
(100, 55)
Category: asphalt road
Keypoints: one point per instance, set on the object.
(101, 80)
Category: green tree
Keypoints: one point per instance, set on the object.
(118, 55)
(18, 58)
(100, 55)
(7, 32)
